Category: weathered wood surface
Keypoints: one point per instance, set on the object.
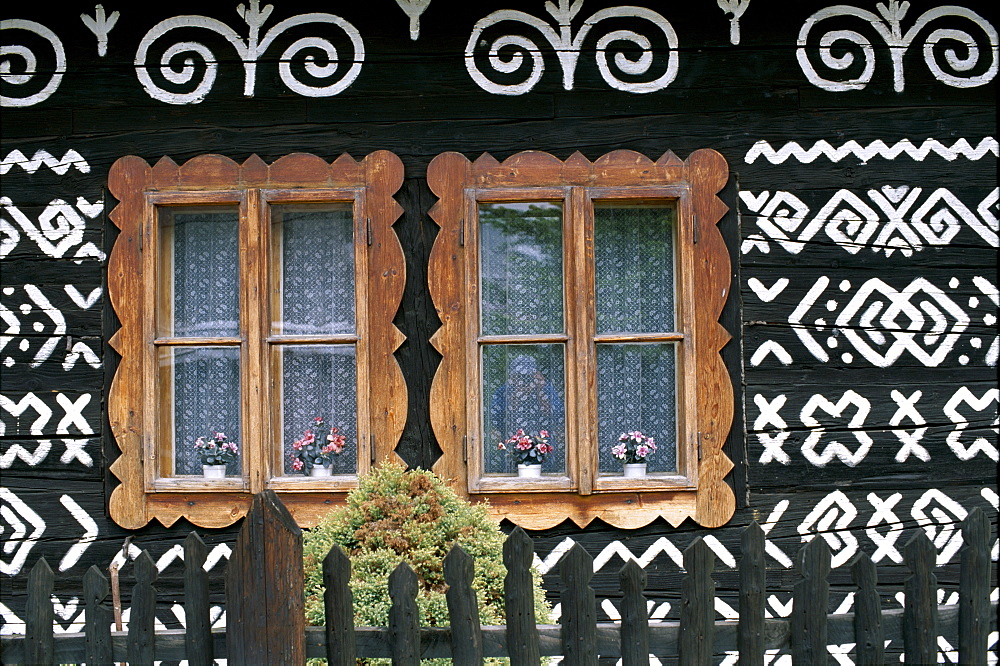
(404, 618)
(811, 597)
(338, 607)
(519, 601)
(579, 607)
(142, 622)
(974, 589)
(698, 605)
(38, 622)
(635, 617)
(197, 622)
(463, 609)
(868, 636)
(920, 621)
(98, 618)
(752, 596)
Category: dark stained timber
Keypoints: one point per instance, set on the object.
(579, 607)
(404, 619)
(809, 606)
(463, 609)
(920, 618)
(338, 606)
(142, 622)
(635, 618)
(869, 645)
(198, 627)
(98, 617)
(752, 596)
(974, 589)
(38, 629)
(518, 598)
(697, 605)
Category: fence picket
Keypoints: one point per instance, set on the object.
(198, 627)
(869, 645)
(579, 607)
(811, 597)
(142, 621)
(697, 605)
(39, 618)
(463, 609)
(404, 620)
(974, 589)
(98, 617)
(753, 586)
(635, 617)
(920, 610)
(338, 605)
(519, 600)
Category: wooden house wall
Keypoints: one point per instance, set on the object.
(847, 201)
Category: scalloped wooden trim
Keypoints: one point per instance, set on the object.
(705, 173)
(381, 174)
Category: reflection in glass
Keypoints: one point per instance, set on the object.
(523, 387)
(204, 384)
(315, 249)
(634, 268)
(199, 268)
(521, 268)
(636, 390)
(318, 380)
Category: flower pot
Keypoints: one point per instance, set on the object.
(635, 470)
(213, 471)
(529, 471)
(319, 470)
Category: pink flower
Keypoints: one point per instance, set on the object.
(544, 434)
(318, 419)
(618, 450)
(297, 465)
(501, 447)
(642, 451)
(297, 445)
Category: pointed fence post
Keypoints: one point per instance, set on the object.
(869, 644)
(920, 610)
(198, 628)
(519, 600)
(579, 608)
(463, 609)
(697, 632)
(98, 617)
(338, 604)
(265, 608)
(753, 588)
(142, 621)
(974, 589)
(39, 644)
(635, 617)
(811, 598)
(404, 619)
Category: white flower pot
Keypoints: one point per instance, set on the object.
(635, 470)
(529, 471)
(319, 470)
(213, 471)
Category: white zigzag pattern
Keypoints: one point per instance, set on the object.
(877, 148)
(70, 158)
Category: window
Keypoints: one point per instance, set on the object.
(583, 299)
(253, 298)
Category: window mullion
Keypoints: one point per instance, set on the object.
(580, 325)
(253, 327)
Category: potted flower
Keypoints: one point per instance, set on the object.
(216, 452)
(313, 453)
(633, 448)
(529, 450)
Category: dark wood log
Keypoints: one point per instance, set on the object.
(519, 600)
(98, 617)
(974, 589)
(142, 621)
(579, 607)
(198, 625)
(811, 596)
(697, 605)
(635, 617)
(404, 618)
(463, 609)
(753, 588)
(266, 613)
(920, 617)
(338, 605)
(39, 618)
(869, 644)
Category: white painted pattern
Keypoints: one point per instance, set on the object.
(15, 333)
(70, 160)
(877, 148)
(101, 25)
(507, 53)
(176, 64)
(986, 405)
(885, 542)
(887, 24)
(20, 530)
(413, 9)
(940, 516)
(735, 9)
(58, 229)
(72, 416)
(835, 449)
(27, 60)
(90, 532)
(832, 519)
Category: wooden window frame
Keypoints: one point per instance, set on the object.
(134, 411)
(705, 394)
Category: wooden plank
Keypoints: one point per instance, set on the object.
(697, 605)
(198, 634)
(869, 644)
(404, 618)
(97, 616)
(811, 596)
(635, 617)
(920, 618)
(753, 588)
(463, 609)
(974, 589)
(519, 600)
(338, 605)
(579, 607)
(142, 621)
(39, 618)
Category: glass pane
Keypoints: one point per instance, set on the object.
(318, 381)
(199, 271)
(521, 267)
(523, 388)
(314, 247)
(634, 268)
(637, 390)
(201, 385)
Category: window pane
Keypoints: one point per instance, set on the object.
(636, 390)
(199, 272)
(319, 381)
(314, 246)
(523, 387)
(522, 268)
(634, 268)
(200, 387)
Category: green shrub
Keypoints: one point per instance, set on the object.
(412, 516)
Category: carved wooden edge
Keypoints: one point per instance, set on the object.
(706, 172)
(381, 173)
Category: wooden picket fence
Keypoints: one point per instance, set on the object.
(265, 619)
